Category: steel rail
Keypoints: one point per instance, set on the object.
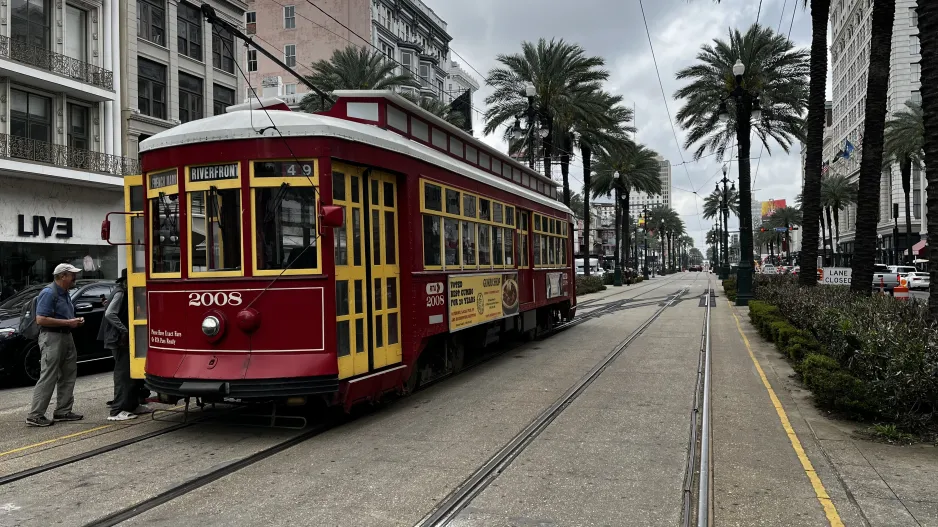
(457, 500)
(692, 457)
(703, 487)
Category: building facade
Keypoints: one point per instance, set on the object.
(850, 22)
(406, 31)
(639, 201)
(176, 66)
(61, 155)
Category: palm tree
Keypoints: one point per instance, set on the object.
(661, 220)
(787, 217)
(928, 37)
(353, 68)
(774, 69)
(837, 192)
(638, 170)
(714, 201)
(871, 164)
(903, 141)
(563, 78)
(438, 108)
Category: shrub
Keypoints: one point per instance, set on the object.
(729, 286)
(588, 284)
(886, 351)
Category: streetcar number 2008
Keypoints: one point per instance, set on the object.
(215, 299)
(435, 300)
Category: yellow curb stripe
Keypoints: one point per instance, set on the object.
(829, 509)
(69, 436)
(76, 434)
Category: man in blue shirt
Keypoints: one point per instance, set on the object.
(55, 316)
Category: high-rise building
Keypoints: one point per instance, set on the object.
(61, 163)
(850, 22)
(641, 200)
(407, 31)
(177, 67)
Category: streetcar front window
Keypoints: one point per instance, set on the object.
(164, 234)
(216, 230)
(286, 228)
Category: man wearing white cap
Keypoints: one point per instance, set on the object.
(55, 316)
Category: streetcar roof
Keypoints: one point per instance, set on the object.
(245, 124)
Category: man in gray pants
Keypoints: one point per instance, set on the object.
(55, 316)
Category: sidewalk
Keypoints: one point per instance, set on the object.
(761, 478)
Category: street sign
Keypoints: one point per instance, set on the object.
(781, 229)
(834, 275)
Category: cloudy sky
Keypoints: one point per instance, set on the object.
(614, 30)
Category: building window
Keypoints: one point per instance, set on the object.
(150, 21)
(289, 54)
(151, 88)
(914, 45)
(250, 22)
(222, 50)
(916, 72)
(252, 60)
(917, 97)
(76, 20)
(425, 74)
(78, 126)
(32, 22)
(289, 17)
(30, 116)
(407, 61)
(189, 38)
(913, 17)
(190, 98)
(223, 98)
(289, 89)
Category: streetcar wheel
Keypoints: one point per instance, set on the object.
(30, 367)
(413, 381)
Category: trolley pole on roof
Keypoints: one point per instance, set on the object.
(209, 13)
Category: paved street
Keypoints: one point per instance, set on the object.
(617, 455)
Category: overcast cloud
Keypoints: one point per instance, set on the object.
(614, 29)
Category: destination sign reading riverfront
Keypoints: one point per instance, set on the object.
(213, 173)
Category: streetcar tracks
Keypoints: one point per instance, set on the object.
(698, 413)
(456, 501)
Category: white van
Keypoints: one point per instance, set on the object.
(595, 269)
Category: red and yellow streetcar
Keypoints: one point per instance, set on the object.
(278, 255)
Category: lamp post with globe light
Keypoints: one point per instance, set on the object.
(617, 273)
(747, 104)
(517, 133)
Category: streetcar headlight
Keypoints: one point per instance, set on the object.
(211, 326)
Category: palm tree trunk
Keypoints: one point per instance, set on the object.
(871, 166)
(906, 169)
(745, 199)
(830, 236)
(836, 241)
(586, 206)
(823, 239)
(565, 171)
(811, 196)
(548, 146)
(928, 36)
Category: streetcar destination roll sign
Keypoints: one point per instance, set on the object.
(213, 172)
(480, 298)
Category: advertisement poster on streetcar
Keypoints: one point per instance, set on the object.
(480, 298)
(556, 285)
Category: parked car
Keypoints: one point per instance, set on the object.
(19, 357)
(887, 276)
(918, 281)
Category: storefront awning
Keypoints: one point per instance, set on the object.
(919, 248)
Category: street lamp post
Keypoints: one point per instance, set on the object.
(747, 104)
(895, 232)
(645, 251)
(617, 274)
(530, 91)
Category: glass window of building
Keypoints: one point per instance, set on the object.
(151, 88)
(222, 98)
(189, 35)
(31, 24)
(252, 60)
(151, 23)
(31, 119)
(222, 50)
(190, 98)
(289, 54)
(76, 36)
(289, 17)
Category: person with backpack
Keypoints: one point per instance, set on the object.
(54, 316)
(116, 336)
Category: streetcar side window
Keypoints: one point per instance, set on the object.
(215, 234)
(431, 241)
(432, 197)
(286, 228)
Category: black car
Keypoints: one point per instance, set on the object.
(19, 357)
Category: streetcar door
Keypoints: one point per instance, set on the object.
(351, 288)
(525, 273)
(136, 274)
(384, 269)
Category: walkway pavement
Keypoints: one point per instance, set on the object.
(777, 460)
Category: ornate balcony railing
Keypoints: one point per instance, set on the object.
(13, 147)
(56, 63)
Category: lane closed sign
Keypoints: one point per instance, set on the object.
(834, 275)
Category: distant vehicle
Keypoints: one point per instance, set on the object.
(595, 269)
(19, 357)
(918, 281)
(887, 276)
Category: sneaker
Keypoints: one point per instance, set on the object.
(142, 409)
(71, 416)
(39, 421)
(123, 416)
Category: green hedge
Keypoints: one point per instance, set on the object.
(588, 284)
(729, 287)
(868, 356)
